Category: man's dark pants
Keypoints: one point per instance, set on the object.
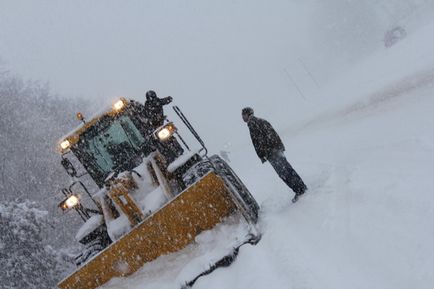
(285, 171)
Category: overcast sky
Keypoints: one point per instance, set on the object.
(213, 57)
(104, 48)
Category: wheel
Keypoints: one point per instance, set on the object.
(94, 242)
(196, 172)
(240, 191)
(89, 251)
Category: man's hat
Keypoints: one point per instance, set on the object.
(151, 94)
(247, 111)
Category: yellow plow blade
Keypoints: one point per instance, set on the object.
(200, 207)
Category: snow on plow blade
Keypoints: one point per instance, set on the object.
(170, 229)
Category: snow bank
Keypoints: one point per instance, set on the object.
(94, 222)
(180, 161)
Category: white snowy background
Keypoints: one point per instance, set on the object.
(357, 118)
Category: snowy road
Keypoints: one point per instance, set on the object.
(366, 221)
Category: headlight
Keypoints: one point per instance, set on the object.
(65, 144)
(70, 202)
(118, 105)
(166, 132)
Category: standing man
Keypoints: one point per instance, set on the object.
(269, 146)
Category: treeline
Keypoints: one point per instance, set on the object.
(32, 119)
(27, 259)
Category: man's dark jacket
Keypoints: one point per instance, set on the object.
(264, 138)
(154, 110)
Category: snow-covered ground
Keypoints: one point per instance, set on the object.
(367, 155)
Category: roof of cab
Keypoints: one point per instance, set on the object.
(74, 135)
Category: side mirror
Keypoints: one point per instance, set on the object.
(69, 167)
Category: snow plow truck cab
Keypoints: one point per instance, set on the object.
(155, 194)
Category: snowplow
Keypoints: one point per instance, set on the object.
(155, 197)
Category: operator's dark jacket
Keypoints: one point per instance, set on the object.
(154, 110)
(264, 138)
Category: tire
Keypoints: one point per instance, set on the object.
(244, 200)
(93, 243)
(196, 172)
(91, 249)
(242, 195)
